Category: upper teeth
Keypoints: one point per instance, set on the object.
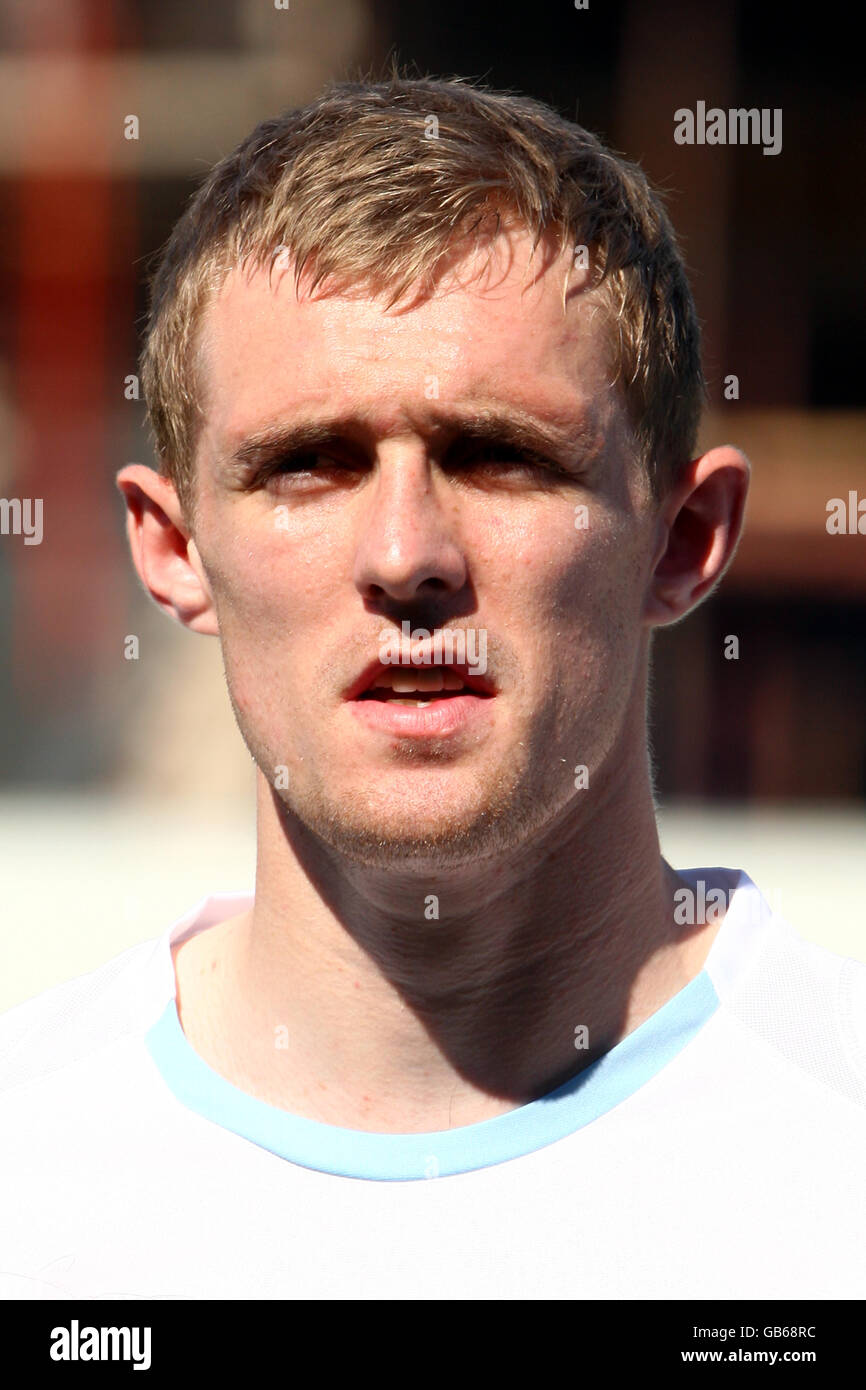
(404, 681)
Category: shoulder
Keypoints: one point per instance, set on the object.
(71, 1022)
(805, 1003)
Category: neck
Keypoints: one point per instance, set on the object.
(344, 997)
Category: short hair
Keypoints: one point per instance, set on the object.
(372, 183)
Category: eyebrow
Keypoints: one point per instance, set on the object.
(574, 438)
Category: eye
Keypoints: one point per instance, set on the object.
(302, 463)
(506, 456)
(489, 459)
(306, 464)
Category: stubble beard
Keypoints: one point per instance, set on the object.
(507, 809)
(504, 815)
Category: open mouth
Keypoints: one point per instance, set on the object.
(405, 686)
(425, 703)
(419, 686)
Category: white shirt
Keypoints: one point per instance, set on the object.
(717, 1151)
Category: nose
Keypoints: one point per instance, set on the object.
(408, 547)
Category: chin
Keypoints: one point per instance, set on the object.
(417, 828)
(430, 846)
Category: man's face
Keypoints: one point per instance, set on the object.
(410, 512)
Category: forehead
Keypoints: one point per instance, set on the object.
(502, 325)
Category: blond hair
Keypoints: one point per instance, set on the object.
(373, 182)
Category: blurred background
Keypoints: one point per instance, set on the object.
(125, 789)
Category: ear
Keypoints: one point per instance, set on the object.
(699, 525)
(163, 552)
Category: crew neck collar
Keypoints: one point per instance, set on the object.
(607, 1082)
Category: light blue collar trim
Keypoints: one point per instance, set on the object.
(354, 1153)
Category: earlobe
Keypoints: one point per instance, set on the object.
(700, 524)
(165, 557)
